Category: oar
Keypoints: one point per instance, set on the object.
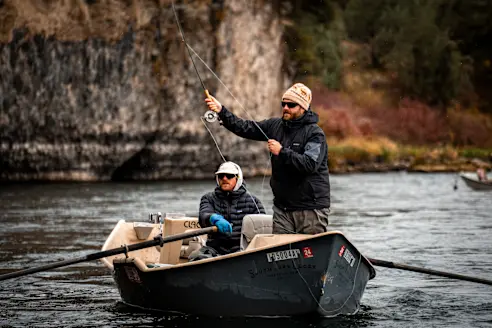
(400, 266)
(159, 240)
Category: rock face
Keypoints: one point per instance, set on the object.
(101, 90)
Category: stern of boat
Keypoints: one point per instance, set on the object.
(345, 279)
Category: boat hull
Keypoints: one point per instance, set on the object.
(476, 184)
(324, 275)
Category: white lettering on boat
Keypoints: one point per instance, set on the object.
(349, 257)
(283, 255)
(308, 252)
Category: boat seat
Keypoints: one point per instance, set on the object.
(262, 240)
(254, 224)
(172, 252)
(191, 244)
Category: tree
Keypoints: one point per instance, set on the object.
(313, 34)
(406, 38)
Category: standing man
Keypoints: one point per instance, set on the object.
(300, 179)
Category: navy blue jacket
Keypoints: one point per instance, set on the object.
(300, 178)
(233, 206)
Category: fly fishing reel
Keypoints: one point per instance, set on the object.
(210, 116)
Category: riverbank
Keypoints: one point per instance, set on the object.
(383, 155)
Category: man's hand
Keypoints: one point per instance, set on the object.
(222, 224)
(274, 146)
(213, 104)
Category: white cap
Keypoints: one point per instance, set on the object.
(231, 168)
(228, 167)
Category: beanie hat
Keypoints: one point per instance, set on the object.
(300, 94)
(231, 168)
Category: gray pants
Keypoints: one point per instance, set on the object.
(305, 221)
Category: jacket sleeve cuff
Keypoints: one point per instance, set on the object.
(284, 154)
(223, 112)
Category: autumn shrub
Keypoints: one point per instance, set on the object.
(362, 149)
(326, 98)
(337, 123)
(365, 113)
(408, 122)
(428, 155)
(413, 153)
(412, 122)
(470, 128)
(338, 115)
(368, 88)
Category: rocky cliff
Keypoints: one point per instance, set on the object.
(104, 89)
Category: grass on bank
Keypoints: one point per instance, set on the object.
(357, 151)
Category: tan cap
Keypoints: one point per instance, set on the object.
(299, 94)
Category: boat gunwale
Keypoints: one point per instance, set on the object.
(474, 183)
(107, 242)
(140, 264)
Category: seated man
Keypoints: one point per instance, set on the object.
(482, 176)
(225, 208)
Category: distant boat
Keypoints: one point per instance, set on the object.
(472, 181)
(275, 275)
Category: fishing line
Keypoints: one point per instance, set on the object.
(244, 109)
(215, 141)
(189, 53)
(208, 95)
(229, 91)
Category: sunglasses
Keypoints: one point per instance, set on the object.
(289, 104)
(227, 175)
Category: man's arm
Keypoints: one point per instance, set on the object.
(244, 128)
(206, 210)
(310, 161)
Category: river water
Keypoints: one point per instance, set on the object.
(415, 219)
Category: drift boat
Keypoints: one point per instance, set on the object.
(272, 275)
(472, 181)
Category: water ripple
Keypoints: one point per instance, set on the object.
(415, 219)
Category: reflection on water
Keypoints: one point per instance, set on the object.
(416, 219)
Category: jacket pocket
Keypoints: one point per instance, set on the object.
(318, 189)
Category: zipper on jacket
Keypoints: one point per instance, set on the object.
(229, 201)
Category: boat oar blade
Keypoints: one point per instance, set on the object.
(393, 265)
(110, 252)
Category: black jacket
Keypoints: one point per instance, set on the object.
(233, 206)
(300, 178)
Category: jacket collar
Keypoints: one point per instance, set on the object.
(234, 194)
(309, 117)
